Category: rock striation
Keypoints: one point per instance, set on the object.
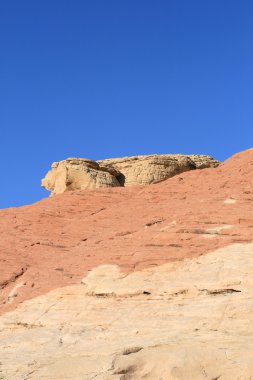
(81, 173)
(190, 320)
(142, 282)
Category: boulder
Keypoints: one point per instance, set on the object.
(77, 174)
(81, 173)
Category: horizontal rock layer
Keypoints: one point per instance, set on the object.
(81, 173)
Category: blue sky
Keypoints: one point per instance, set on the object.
(112, 78)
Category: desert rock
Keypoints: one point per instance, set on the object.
(142, 282)
(78, 173)
(188, 320)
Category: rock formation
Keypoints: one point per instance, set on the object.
(81, 173)
(143, 282)
(187, 321)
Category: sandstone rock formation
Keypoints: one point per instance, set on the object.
(143, 282)
(81, 173)
(76, 174)
(190, 320)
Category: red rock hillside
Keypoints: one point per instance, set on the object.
(56, 241)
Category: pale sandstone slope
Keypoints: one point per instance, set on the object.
(190, 320)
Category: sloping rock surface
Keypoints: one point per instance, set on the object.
(144, 282)
(190, 320)
(81, 173)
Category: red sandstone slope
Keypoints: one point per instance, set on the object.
(56, 241)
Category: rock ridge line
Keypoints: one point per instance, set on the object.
(82, 173)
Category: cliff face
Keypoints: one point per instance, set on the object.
(81, 173)
(143, 282)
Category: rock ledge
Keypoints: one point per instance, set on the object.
(82, 173)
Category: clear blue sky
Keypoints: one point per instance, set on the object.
(97, 79)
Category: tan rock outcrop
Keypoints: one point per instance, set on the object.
(78, 173)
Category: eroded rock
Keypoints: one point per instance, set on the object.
(79, 173)
(178, 321)
(147, 282)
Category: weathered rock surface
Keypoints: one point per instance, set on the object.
(63, 237)
(143, 282)
(79, 173)
(190, 320)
